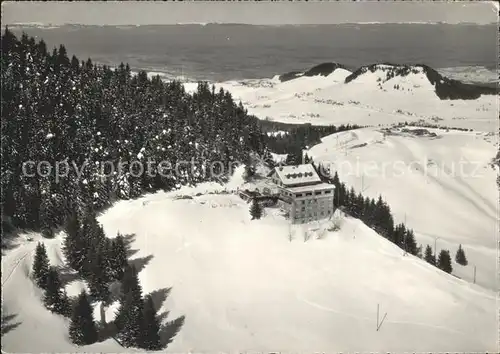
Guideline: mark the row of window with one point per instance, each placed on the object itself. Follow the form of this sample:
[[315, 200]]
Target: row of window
[[324, 201], [320, 207], [313, 215], [308, 194]]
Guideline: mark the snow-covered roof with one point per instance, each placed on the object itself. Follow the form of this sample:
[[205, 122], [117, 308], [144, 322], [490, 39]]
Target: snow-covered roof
[[311, 188], [297, 174]]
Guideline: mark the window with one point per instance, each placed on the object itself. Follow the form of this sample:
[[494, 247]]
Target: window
[[308, 194], [299, 195], [303, 202], [328, 192], [303, 209], [317, 193]]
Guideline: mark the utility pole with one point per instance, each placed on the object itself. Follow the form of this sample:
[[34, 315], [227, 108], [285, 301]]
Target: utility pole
[[379, 324], [474, 274]]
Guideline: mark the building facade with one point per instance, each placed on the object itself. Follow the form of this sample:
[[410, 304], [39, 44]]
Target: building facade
[[302, 194]]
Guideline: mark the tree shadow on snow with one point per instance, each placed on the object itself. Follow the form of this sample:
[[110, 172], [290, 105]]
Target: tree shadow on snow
[[169, 330], [140, 263], [128, 240], [8, 323], [159, 296]]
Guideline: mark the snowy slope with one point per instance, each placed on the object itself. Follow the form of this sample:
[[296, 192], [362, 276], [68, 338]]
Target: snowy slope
[[35, 328], [243, 286], [369, 99], [443, 186]]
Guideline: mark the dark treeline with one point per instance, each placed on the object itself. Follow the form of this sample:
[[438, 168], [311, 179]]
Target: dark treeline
[[56, 108], [377, 215], [302, 136]]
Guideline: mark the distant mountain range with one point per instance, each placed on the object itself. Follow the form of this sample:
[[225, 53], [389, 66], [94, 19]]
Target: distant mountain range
[[50, 25], [445, 88]]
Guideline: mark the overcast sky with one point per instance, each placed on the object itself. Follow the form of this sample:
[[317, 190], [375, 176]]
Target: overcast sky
[[140, 13]]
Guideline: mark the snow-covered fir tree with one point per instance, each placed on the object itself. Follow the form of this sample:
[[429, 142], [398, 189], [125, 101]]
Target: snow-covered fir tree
[[118, 257], [82, 329], [429, 257], [150, 327], [55, 299], [444, 261], [129, 317], [460, 257], [41, 265]]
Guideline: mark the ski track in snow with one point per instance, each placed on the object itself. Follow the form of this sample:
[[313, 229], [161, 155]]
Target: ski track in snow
[[447, 186], [16, 265], [370, 319]]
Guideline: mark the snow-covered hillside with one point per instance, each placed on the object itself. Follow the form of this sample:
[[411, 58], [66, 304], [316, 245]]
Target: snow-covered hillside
[[242, 285], [369, 98], [442, 183]]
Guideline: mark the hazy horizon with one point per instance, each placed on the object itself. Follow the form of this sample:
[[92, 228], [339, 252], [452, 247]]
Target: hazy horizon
[[252, 13]]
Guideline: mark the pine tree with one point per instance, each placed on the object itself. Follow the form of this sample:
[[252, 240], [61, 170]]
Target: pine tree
[[131, 333], [53, 296], [129, 317], [150, 337], [82, 330], [419, 252], [410, 243], [429, 256], [460, 257], [41, 266], [255, 210], [74, 243], [64, 307], [118, 257], [444, 261], [98, 277]]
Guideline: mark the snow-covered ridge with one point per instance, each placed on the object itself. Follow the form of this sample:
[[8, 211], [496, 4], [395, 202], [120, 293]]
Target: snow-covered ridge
[[421, 74], [324, 69], [404, 77], [381, 94]]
